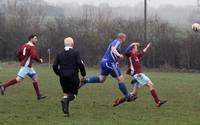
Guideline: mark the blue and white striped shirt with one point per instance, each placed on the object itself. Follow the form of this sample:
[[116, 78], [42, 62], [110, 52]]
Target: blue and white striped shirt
[[109, 56]]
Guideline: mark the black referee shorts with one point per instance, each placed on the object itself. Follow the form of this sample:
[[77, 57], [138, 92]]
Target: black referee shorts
[[70, 84]]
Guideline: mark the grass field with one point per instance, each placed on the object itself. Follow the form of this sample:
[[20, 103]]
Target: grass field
[[94, 103]]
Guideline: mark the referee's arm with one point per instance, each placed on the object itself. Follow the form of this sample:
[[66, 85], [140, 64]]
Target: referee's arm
[[81, 65], [55, 65]]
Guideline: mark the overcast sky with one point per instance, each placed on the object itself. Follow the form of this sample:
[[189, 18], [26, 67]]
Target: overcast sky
[[115, 3]]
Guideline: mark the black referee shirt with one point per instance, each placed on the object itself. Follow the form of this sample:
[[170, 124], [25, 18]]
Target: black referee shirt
[[68, 63]]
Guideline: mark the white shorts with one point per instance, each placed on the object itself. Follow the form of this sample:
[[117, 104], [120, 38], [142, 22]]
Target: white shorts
[[141, 79], [26, 71]]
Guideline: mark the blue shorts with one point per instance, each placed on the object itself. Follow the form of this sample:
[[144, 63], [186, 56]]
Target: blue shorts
[[110, 68], [26, 71], [141, 79]]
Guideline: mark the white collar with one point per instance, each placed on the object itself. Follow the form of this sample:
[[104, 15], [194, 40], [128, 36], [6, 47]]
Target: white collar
[[30, 43], [67, 48]]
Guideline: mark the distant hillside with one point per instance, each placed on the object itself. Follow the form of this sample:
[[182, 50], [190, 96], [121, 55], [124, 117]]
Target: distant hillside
[[182, 15], [177, 15]]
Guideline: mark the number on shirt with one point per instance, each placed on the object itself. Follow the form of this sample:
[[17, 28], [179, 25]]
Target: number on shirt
[[24, 51]]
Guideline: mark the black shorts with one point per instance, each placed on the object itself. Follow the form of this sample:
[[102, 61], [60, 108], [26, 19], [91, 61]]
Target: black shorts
[[70, 84]]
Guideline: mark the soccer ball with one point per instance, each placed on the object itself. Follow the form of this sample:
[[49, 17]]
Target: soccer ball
[[196, 27]]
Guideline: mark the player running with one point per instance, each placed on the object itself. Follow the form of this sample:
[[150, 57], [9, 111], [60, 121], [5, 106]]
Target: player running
[[109, 65], [26, 54], [139, 79]]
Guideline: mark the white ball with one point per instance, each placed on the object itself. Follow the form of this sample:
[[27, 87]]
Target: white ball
[[196, 27]]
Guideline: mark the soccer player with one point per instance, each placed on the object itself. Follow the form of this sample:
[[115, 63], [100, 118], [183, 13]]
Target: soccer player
[[109, 65], [67, 65], [139, 78], [26, 54]]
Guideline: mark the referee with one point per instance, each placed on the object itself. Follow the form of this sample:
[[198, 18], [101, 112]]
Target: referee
[[67, 65]]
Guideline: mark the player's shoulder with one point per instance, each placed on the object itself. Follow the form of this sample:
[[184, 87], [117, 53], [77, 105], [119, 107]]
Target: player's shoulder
[[115, 41], [128, 54], [23, 46], [28, 45]]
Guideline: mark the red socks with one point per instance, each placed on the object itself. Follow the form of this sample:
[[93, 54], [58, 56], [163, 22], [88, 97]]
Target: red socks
[[36, 87], [9, 83], [156, 98], [14, 81]]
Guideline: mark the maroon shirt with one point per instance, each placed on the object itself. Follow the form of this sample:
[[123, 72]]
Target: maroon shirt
[[134, 65], [26, 54]]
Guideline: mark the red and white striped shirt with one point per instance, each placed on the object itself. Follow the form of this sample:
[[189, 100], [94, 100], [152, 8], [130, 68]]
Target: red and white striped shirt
[[134, 66], [26, 54]]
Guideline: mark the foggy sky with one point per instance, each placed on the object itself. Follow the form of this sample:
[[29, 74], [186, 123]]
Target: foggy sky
[[154, 3]]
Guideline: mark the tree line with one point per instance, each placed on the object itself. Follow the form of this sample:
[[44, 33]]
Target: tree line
[[172, 46]]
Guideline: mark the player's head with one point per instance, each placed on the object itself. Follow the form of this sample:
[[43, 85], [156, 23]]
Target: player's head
[[69, 42], [134, 49], [33, 38], [121, 37]]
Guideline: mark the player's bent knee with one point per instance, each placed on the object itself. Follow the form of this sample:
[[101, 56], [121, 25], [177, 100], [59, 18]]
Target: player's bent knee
[[102, 79], [150, 85], [35, 79], [19, 79], [120, 79]]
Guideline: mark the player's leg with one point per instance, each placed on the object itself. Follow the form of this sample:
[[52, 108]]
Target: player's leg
[[153, 91], [35, 81], [154, 94], [115, 72], [9, 83], [12, 82], [96, 79], [70, 89], [140, 81], [20, 76], [133, 94], [92, 79], [102, 77], [122, 86], [143, 80], [136, 87]]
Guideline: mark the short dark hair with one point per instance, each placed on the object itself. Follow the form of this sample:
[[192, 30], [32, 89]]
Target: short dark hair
[[133, 46], [31, 36]]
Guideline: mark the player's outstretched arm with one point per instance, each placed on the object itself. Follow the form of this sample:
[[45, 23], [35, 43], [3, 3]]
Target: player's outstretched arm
[[146, 48], [141, 53]]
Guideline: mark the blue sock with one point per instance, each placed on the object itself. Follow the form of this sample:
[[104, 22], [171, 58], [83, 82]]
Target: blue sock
[[123, 89], [93, 79]]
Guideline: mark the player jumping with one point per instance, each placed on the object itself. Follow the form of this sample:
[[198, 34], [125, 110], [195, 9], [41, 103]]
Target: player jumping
[[109, 65], [140, 79], [26, 54]]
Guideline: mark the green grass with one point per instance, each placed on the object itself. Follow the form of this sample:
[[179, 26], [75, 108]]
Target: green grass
[[94, 103]]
